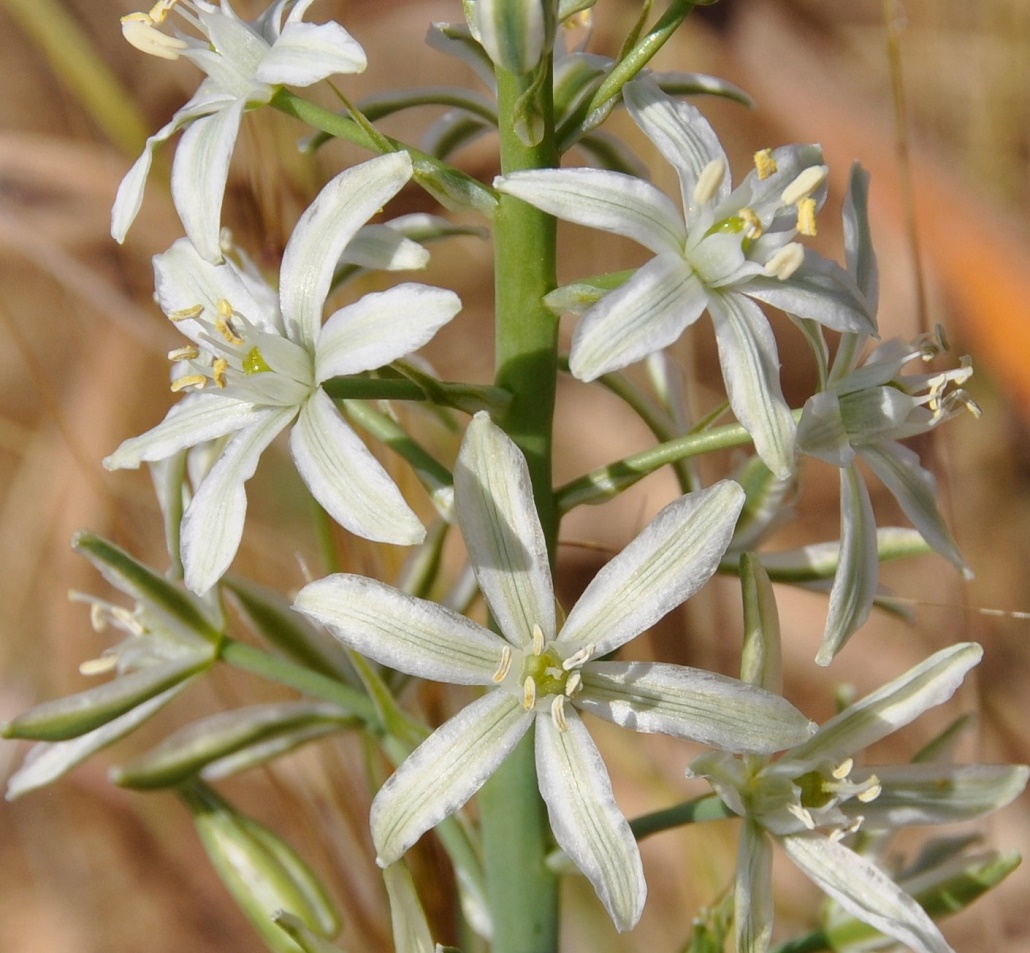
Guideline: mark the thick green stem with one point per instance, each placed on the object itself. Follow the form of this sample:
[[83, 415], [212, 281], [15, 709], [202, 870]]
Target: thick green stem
[[521, 891]]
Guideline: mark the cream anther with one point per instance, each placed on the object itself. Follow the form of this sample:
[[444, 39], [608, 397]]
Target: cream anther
[[573, 684], [188, 353], [538, 640], [577, 659], [753, 224], [803, 815], [97, 619], [193, 312], [198, 381], [765, 164], [806, 216], [218, 368], [872, 792], [843, 769], [529, 693], [502, 669], [786, 261], [709, 180], [140, 30], [805, 184], [99, 666], [223, 323], [558, 713]]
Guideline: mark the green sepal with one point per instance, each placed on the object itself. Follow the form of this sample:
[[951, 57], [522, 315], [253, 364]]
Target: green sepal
[[576, 297], [74, 715], [528, 116], [273, 619], [262, 873], [187, 752], [761, 658], [134, 579]]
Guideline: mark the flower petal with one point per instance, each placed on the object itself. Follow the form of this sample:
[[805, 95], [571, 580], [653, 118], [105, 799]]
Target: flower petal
[[306, 53], [512, 32], [193, 420], [346, 479], [445, 771], [382, 327], [213, 523], [407, 634], [891, 707], [753, 895], [854, 583], [585, 819], [671, 559], [915, 490], [199, 172], [647, 313], [858, 243], [691, 703], [611, 201], [324, 230], [865, 891], [751, 370], [386, 248]]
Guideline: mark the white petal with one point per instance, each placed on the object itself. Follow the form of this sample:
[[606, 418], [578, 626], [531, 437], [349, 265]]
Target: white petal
[[915, 490], [199, 172], [512, 32], [647, 313], [502, 532], [346, 479], [671, 559], [891, 707], [858, 243], [324, 230], [384, 247], [585, 819], [382, 327], [854, 583], [213, 524], [681, 134], [865, 891], [445, 771], [193, 420], [753, 896], [691, 703], [407, 918], [611, 201], [751, 369], [407, 634], [306, 53]]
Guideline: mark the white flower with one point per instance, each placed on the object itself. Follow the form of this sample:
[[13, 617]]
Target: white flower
[[812, 796], [257, 364], [862, 413], [727, 248], [538, 675], [245, 64]]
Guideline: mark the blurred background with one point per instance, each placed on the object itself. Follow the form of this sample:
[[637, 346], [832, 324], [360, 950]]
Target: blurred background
[[932, 95]]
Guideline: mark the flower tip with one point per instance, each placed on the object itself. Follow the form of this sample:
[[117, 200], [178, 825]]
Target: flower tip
[[140, 31]]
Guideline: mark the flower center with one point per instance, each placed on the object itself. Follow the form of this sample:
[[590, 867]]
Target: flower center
[[544, 673]]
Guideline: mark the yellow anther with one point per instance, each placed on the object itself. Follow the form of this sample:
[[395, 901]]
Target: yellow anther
[[218, 368], [786, 261], [160, 10], [806, 216], [709, 180], [194, 312], [765, 164], [529, 693], [753, 224], [805, 184], [558, 713], [502, 669], [99, 666], [223, 323], [971, 405], [188, 353], [140, 30], [198, 381], [538, 640]]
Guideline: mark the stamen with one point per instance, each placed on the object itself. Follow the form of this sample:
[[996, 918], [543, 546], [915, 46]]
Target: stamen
[[574, 661], [765, 164], [558, 712], [160, 10], [708, 181], [843, 769], [786, 261], [872, 792], [140, 31], [573, 684], [752, 222], [805, 184], [529, 693], [99, 666], [806, 217], [193, 312], [218, 368], [802, 814], [188, 353], [223, 323], [538, 640], [502, 669], [198, 381], [97, 618]]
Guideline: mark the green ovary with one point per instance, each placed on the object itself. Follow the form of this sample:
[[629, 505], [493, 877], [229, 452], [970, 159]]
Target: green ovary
[[254, 363], [547, 673]]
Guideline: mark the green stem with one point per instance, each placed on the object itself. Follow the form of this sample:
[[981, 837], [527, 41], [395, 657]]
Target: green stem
[[707, 808], [466, 397], [809, 943], [522, 892]]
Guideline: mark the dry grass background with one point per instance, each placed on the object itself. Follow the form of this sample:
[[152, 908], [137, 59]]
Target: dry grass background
[[86, 867]]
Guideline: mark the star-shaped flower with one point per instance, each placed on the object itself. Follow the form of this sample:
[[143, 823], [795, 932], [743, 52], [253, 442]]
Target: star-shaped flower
[[812, 796], [861, 414], [257, 362], [245, 64], [539, 675], [726, 249]]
